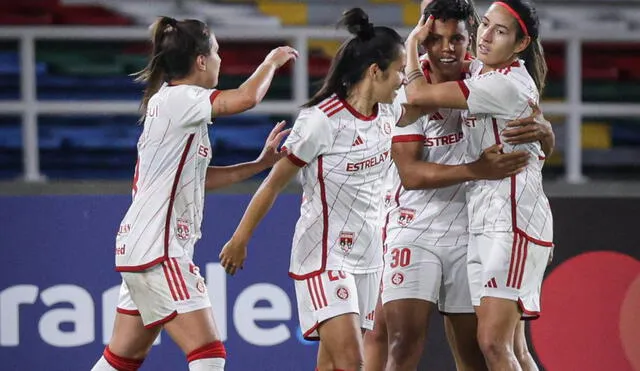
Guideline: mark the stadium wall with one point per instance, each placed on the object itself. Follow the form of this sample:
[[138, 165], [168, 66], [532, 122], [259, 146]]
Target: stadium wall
[[58, 288]]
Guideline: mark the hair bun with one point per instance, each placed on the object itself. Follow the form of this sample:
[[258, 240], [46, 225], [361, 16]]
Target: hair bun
[[357, 23]]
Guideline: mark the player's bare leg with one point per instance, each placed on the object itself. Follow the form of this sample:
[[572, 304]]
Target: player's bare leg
[[341, 343], [376, 342], [521, 349], [407, 325], [497, 322], [196, 334], [461, 332], [129, 345]]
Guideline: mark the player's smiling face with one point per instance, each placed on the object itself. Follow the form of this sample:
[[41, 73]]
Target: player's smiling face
[[447, 45], [391, 79]]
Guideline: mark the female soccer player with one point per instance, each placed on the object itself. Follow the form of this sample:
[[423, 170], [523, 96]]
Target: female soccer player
[[161, 287], [510, 220], [340, 144]]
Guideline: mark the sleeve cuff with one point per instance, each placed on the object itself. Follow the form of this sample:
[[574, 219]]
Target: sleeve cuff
[[295, 159], [464, 89], [214, 95], [408, 138]]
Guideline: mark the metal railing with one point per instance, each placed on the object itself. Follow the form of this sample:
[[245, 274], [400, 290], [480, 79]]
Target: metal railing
[[29, 107]]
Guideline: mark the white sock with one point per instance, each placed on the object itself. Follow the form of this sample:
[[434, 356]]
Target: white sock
[[103, 365], [206, 364]]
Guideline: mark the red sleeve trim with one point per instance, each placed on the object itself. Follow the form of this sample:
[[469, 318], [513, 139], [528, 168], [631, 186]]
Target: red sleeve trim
[[214, 95], [464, 89], [408, 138], [296, 160]]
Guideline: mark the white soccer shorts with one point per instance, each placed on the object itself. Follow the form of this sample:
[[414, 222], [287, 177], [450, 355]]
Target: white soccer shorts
[[508, 266], [434, 274], [161, 292], [334, 293]]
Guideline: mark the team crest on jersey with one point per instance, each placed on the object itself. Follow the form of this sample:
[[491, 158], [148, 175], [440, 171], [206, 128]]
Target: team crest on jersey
[[387, 199], [386, 127], [397, 279], [183, 229], [342, 293], [346, 241], [406, 216]]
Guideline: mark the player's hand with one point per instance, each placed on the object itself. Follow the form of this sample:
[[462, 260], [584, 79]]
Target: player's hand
[[279, 56], [494, 165], [272, 152], [531, 129], [232, 256], [422, 30]]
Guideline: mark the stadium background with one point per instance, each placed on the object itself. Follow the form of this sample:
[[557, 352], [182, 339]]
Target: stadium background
[[67, 149]]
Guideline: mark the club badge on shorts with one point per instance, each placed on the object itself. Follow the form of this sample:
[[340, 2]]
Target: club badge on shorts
[[342, 293]]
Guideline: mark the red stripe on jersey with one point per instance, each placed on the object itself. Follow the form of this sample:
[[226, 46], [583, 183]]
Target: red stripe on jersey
[[169, 281], [331, 106], [338, 109], [172, 197], [535, 240], [359, 115], [408, 138], [327, 102], [325, 226], [296, 160], [182, 282], [142, 267], [464, 89], [162, 321], [214, 95]]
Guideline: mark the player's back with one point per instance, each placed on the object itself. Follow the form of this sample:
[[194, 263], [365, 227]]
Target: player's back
[[342, 183], [516, 203], [168, 189]]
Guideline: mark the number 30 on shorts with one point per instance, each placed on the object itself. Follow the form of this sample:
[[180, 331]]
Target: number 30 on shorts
[[400, 257]]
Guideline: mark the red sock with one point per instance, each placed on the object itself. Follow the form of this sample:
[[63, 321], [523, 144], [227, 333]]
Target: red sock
[[121, 363], [211, 350]]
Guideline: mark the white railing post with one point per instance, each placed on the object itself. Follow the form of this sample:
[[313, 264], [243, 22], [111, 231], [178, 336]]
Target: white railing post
[[573, 83], [30, 151], [301, 72]]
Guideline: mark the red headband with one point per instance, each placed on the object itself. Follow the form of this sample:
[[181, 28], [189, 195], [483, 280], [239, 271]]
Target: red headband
[[515, 14]]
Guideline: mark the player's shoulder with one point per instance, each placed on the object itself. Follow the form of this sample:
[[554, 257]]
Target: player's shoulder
[[324, 111]]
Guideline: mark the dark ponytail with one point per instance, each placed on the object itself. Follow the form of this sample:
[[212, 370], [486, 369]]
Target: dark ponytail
[[175, 47], [369, 45], [533, 55]]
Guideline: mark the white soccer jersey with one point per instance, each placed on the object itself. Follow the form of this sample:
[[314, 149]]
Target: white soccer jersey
[[168, 190], [517, 203], [344, 157], [430, 217]]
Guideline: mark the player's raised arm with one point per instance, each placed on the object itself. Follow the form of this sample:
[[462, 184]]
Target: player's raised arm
[[252, 91], [223, 176]]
